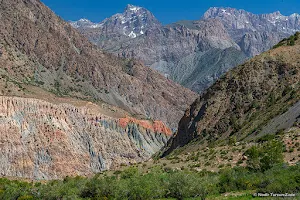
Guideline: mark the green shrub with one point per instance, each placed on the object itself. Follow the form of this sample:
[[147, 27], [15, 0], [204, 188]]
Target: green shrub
[[235, 179], [281, 179], [157, 184], [264, 156], [183, 185], [232, 140], [266, 138], [26, 197]]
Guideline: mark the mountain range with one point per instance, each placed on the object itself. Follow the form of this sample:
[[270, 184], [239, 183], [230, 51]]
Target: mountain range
[[192, 53], [260, 97], [68, 107]]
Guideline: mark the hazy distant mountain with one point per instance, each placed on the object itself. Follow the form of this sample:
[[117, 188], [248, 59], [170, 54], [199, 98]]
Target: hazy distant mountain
[[176, 50], [192, 53]]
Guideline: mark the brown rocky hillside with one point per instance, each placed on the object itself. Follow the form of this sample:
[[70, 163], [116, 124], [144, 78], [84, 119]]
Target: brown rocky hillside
[[244, 102], [67, 108], [39, 48]]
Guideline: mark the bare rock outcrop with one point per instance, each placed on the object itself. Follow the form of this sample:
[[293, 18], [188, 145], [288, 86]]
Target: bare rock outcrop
[[42, 140]]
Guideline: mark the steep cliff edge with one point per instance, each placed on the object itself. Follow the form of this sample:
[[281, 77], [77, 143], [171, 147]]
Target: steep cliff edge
[[245, 100], [42, 140]]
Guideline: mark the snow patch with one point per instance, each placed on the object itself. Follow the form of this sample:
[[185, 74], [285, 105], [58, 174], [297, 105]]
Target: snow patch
[[96, 25], [74, 25], [294, 15], [225, 12], [135, 9], [84, 20], [272, 22], [142, 32], [132, 34]]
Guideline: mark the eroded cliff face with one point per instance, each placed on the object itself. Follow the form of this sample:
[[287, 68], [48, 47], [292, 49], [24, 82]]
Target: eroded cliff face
[[42, 140]]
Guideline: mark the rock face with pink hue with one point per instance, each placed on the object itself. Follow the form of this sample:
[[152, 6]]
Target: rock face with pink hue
[[40, 140]]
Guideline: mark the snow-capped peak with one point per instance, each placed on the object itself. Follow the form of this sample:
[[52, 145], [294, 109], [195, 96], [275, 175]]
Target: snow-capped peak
[[133, 22], [294, 15], [133, 8], [85, 23], [84, 20]]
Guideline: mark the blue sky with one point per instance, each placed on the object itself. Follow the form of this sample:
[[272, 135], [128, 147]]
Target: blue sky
[[166, 11]]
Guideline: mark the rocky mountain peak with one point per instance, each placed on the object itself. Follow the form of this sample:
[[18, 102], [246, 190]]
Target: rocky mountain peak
[[250, 30], [132, 8], [241, 19], [295, 15], [215, 12], [175, 49], [133, 22]]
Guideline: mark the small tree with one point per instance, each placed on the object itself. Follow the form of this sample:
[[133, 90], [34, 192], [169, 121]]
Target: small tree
[[265, 156], [292, 41], [232, 140]]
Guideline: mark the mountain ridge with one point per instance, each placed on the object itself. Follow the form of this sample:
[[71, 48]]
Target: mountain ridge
[[250, 30], [165, 47]]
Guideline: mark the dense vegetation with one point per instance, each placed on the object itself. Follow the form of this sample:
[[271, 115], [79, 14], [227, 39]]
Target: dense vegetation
[[159, 183], [265, 173]]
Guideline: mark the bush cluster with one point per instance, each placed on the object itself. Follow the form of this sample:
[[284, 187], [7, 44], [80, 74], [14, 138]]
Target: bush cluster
[[158, 184], [265, 173], [288, 41], [265, 155]]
